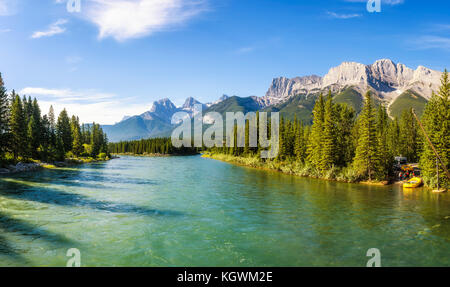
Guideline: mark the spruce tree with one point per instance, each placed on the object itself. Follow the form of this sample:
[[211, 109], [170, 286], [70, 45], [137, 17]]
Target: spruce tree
[[366, 161], [34, 130], [77, 144], [18, 128], [409, 136], [384, 154], [328, 152], [345, 148], [4, 118], [436, 122], [64, 131], [316, 136]]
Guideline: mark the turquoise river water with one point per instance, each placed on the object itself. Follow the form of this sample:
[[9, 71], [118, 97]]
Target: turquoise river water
[[191, 211]]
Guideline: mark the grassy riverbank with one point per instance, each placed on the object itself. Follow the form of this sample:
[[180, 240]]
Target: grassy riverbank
[[293, 168]]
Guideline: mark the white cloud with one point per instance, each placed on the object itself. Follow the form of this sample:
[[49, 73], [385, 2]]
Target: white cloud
[[90, 106], [122, 19], [343, 16], [54, 29]]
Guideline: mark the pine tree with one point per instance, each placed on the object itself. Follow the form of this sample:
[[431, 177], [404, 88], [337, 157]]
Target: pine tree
[[384, 154], [328, 150], [393, 138], [18, 128], [300, 143], [34, 130], [366, 161], [409, 136], [316, 136], [4, 118], [77, 144], [436, 121], [64, 131], [345, 148], [52, 125]]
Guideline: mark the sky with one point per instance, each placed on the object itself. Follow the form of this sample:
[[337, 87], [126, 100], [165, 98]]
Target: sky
[[112, 58]]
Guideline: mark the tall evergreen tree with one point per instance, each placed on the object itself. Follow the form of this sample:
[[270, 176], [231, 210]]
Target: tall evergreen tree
[[18, 128], [4, 118], [366, 160], [384, 154], [64, 131], [436, 121], [316, 136], [34, 130], [77, 144], [410, 142], [329, 136]]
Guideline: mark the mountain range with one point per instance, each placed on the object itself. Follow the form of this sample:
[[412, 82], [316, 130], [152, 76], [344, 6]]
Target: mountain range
[[396, 85]]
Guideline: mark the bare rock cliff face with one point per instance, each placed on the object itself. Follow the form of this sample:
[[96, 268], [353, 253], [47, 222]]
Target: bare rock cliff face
[[385, 78]]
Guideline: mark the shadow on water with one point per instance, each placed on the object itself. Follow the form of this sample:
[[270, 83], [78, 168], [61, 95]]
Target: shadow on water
[[7, 250], [23, 190], [82, 178], [22, 228]]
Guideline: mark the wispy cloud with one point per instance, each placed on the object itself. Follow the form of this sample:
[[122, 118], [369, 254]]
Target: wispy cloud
[[54, 29], [245, 50], [5, 31], [86, 104], [431, 42], [124, 20], [343, 16]]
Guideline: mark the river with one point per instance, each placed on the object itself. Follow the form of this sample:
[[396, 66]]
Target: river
[[191, 211]]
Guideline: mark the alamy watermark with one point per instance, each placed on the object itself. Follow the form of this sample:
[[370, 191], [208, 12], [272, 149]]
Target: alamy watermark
[[75, 257], [374, 6], [375, 261], [235, 131], [73, 6]]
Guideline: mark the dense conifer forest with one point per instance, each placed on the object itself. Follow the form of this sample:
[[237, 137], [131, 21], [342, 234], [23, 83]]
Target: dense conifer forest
[[26, 134], [344, 146]]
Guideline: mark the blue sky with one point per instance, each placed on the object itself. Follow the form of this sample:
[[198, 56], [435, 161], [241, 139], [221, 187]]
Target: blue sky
[[116, 57]]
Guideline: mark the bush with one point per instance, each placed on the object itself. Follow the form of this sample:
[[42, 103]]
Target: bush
[[102, 156]]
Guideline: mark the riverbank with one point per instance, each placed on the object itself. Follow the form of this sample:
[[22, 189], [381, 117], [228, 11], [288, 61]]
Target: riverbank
[[35, 165], [341, 175], [153, 154]]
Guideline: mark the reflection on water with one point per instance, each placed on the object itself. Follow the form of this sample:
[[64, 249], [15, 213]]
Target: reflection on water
[[190, 211]]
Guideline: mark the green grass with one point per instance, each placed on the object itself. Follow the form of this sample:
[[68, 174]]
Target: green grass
[[288, 167], [407, 100]]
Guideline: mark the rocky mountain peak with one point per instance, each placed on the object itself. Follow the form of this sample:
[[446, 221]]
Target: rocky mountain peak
[[190, 102], [384, 77], [163, 105]]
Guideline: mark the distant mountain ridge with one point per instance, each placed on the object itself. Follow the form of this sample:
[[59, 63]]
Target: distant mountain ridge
[[384, 78], [395, 85]]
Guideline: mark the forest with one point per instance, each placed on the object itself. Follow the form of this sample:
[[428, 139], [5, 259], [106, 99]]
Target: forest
[[344, 146], [26, 134], [154, 146]]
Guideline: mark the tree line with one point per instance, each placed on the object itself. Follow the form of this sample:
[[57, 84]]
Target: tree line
[[161, 146], [361, 146], [26, 134]]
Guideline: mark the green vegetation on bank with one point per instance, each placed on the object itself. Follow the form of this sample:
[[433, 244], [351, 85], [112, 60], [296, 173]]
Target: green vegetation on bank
[[343, 146], [155, 146], [26, 135]]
